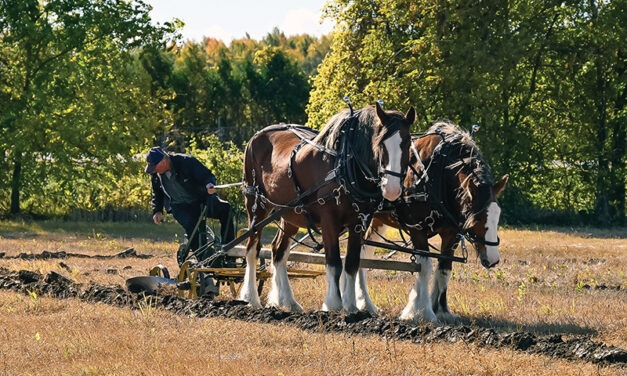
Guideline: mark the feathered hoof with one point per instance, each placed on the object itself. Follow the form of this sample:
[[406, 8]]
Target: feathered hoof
[[421, 315], [448, 317]]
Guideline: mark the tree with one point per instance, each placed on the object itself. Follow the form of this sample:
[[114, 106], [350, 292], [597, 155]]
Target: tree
[[69, 95], [502, 65], [595, 68]]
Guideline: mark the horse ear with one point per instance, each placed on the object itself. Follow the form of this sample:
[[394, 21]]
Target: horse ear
[[410, 116], [500, 186], [380, 112]]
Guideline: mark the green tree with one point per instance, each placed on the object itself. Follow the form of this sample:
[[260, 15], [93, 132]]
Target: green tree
[[595, 74], [502, 65], [70, 96]]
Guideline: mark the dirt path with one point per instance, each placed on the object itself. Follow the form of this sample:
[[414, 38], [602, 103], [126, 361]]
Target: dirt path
[[580, 348]]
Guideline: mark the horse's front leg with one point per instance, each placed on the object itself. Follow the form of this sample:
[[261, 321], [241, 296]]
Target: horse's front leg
[[367, 251], [418, 305], [330, 235], [351, 266], [441, 279], [281, 294]]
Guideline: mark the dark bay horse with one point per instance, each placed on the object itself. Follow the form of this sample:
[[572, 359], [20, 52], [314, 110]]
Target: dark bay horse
[[449, 192], [280, 169]]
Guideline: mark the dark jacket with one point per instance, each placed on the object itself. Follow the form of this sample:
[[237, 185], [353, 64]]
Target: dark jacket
[[190, 173]]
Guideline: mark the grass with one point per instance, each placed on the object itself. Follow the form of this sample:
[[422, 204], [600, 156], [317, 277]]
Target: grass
[[549, 281], [70, 337]]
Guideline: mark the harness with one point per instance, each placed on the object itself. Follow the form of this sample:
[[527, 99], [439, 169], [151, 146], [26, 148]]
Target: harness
[[428, 188], [351, 174]]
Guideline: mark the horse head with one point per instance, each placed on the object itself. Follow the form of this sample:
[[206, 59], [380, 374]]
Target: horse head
[[482, 216], [391, 148], [470, 194]]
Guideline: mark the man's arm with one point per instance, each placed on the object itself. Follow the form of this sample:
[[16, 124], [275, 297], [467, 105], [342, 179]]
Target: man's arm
[[202, 174]]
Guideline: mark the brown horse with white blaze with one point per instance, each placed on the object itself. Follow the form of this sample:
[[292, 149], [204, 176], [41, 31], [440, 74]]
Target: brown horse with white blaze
[[302, 178], [449, 192]]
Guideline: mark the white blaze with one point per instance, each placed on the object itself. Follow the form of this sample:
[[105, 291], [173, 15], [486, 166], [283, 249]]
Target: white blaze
[[492, 224], [391, 185]]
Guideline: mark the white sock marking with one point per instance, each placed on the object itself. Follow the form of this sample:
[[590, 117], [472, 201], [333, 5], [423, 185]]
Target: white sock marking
[[249, 287], [332, 302], [418, 305]]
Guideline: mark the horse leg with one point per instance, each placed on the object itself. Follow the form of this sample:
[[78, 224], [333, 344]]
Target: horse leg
[[441, 279], [249, 292], [330, 234], [351, 266], [281, 294], [367, 251], [418, 305]]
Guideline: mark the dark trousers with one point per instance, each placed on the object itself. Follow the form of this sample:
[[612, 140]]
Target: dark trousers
[[187, 216]]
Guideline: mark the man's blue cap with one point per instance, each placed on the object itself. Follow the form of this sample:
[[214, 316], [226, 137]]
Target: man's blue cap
[[154, 156]]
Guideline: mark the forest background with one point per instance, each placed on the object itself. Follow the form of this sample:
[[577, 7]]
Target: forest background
[[87, 86]]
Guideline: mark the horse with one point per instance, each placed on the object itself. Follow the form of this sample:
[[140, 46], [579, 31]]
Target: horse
[[449, 192], [324, 181]]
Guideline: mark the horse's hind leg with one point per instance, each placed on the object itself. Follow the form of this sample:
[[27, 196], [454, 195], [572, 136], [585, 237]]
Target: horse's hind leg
[[281, 294], [249, 292], [418, 305]]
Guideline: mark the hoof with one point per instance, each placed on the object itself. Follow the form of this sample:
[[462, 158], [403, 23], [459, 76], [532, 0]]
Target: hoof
[[448, 317], [371, 308], [328, 308], [350, 309], [292, 307], [295, 307], [426, 316]]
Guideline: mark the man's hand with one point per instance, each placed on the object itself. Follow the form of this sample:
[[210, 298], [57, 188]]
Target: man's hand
[[157, 217], [210, 189]]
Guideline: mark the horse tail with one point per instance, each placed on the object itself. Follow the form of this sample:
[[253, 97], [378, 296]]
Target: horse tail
[[249, 164]]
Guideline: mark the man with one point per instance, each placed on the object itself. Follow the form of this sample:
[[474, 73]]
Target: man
[[183, 183]]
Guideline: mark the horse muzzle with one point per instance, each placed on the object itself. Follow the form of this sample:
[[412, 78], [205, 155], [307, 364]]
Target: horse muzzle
[[392, 192], [490, 257], [486, 264]]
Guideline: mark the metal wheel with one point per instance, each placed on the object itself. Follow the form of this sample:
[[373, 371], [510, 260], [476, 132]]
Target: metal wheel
[[160, 271]]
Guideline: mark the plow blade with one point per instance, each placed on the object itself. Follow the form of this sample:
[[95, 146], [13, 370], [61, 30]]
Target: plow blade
[[147, 284]]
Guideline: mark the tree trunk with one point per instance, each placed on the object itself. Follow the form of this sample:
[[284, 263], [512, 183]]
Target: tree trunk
[[15, 185], [617, 158]]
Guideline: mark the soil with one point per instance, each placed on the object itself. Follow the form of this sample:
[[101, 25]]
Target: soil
[[45, 255], [579, 348]]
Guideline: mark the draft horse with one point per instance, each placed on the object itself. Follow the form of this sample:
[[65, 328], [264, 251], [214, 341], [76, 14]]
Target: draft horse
[[449, 191], [323, 181]]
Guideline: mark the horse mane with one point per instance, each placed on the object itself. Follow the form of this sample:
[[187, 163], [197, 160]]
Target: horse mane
[[464, 156], [363, 144]]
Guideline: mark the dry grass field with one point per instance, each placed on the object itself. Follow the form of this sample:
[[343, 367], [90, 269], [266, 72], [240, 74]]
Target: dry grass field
[[559, 281]]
